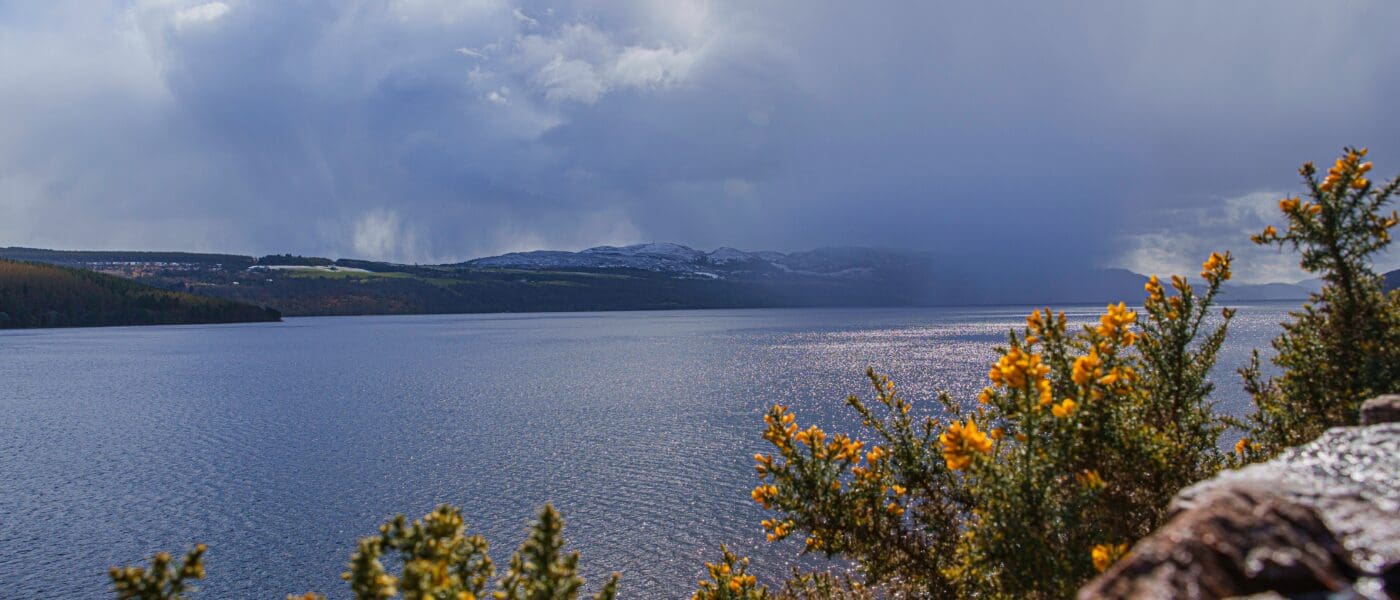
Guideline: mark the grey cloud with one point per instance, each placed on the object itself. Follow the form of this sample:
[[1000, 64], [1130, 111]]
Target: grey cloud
[[1108, 133]]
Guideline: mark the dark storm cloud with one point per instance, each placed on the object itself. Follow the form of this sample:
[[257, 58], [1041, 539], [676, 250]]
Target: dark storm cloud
[[998, 133]]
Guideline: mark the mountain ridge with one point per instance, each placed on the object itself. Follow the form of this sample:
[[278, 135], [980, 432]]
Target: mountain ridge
[[652, 276]]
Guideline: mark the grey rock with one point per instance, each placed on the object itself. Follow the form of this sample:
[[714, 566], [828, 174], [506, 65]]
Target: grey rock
[[1381, 409], [1321, 520]]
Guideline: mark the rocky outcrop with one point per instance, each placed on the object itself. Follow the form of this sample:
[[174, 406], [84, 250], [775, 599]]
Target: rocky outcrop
[[1320, 521], [1381, 409]]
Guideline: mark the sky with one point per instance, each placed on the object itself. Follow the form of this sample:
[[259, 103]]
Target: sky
[[1114, 133]]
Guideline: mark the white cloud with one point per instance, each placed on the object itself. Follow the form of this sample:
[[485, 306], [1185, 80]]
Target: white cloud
[[200, 14], [570, 79], [525, 19], [651, 67], [380, 235], [1185, 237], [582, 63]]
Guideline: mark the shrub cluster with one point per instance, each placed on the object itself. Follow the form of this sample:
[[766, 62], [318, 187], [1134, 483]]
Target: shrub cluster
[[1069, 454], [438, 560], [1344, 345]]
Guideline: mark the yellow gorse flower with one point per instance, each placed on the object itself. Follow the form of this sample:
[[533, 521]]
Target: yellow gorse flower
[[1115, 322], [1016, 368], [1153, 287], [1217, 266], [1035, 322], [778, 530], [781, 426], [1104, 555], [763, 463], [875, 454], [764, 495], [962, 442], [812, 436], [1064, 408], [1090, 479], [1347, 166], [1087, 367], [844, 448], [1242, 445]]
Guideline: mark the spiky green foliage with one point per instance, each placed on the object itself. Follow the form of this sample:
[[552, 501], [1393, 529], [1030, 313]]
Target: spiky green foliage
[[1344, 345], [540, 570], [163, 580], [439, 562], [1070, 454], [730, 580]]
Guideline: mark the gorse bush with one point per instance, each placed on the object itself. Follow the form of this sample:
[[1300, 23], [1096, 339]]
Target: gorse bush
[[1075, 449], [439, 562], [1070, 453], [164, 580], [1344, 345]]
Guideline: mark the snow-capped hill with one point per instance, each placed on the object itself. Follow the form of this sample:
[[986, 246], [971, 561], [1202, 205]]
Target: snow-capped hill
[[684, 261], [726, 255], [653, 251], [537, 259], [668, 258]]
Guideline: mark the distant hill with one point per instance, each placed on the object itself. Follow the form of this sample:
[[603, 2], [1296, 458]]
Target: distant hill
[[89, 258], [653, 276], [1392, 280], [41, 295]]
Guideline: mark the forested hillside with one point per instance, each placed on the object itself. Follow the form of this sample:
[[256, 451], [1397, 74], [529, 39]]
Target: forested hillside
[[38, 295]]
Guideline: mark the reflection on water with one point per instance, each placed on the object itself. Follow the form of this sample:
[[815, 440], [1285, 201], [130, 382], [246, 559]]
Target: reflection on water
[[279, 444]]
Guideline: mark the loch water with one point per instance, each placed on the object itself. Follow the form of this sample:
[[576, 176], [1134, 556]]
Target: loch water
[[280, 444]]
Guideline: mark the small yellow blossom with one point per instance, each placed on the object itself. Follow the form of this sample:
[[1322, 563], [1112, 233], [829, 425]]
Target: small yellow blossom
[[1242, 445], [1105, 555], [1064, 409], [1115, 321], [1090, 479], [812, 436], [1046, 395], [764, 495], [1086, 367], [1017, 368], [875, 454], [961, 442], [1034, 322], [1217, 266]]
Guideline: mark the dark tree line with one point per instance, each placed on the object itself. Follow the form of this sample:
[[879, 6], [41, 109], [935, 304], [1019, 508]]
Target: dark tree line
[[39, 295]]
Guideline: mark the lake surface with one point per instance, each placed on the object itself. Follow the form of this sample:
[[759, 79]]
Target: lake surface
[[280, 444]]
